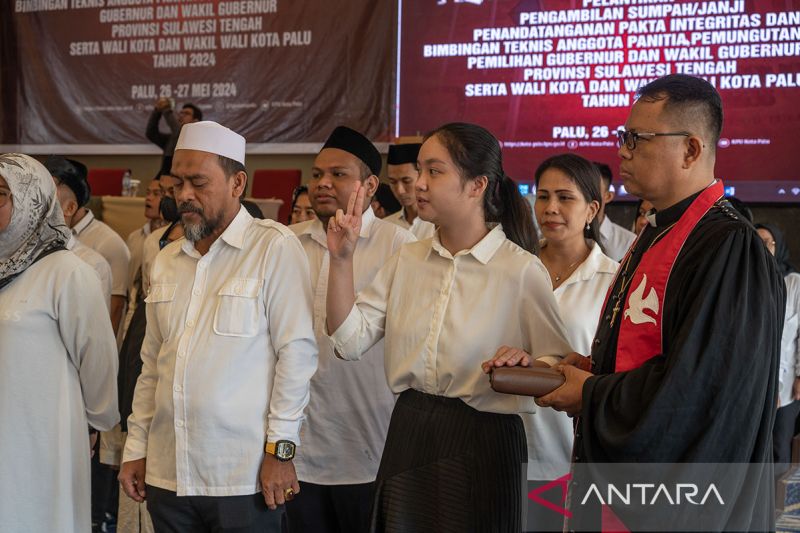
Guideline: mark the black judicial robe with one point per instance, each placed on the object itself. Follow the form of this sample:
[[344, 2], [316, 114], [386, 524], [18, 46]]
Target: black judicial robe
[[710, 397]]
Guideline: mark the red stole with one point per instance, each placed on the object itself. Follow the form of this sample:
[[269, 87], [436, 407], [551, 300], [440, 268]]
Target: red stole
[[640, 334]]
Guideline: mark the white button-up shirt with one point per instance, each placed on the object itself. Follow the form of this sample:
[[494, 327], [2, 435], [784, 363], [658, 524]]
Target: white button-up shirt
[[102, 239], [422, 229], [150, 249], [790, 347], [227, 359], [616, 240], [98, 264], [351, 403], [580, 301], [443, 316]]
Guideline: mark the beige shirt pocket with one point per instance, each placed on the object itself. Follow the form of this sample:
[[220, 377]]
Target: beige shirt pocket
[[161, 297], [237, 313]]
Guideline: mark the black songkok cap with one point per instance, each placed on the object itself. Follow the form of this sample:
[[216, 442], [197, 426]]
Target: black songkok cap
[[400, 154], [71, 173], [353, 142], [386, 198]]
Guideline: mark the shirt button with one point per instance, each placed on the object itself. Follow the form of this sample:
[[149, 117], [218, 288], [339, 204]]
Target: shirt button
[[190, 323], [179, 423], [201, 266], [181, 354], [196, 292], [597, 342], [178, 388]]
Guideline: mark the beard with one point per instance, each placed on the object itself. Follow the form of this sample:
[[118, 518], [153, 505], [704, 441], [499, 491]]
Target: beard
[[197, 231]]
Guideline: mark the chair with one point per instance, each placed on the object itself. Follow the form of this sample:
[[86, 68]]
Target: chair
[[277, 183], [106, 181]]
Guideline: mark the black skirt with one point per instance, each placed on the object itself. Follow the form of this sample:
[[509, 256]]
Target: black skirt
[[448, 467]]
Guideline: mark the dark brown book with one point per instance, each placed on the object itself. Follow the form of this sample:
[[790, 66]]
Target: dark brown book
[[525, 380]]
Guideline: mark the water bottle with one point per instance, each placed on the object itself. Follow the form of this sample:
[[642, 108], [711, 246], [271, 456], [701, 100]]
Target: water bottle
[[126, 183]]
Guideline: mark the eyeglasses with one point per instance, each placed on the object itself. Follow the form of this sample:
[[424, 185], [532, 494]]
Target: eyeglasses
[[5, 196], [630, 138]]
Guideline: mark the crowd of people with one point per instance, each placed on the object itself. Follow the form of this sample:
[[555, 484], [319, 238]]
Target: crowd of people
[[330, 375]]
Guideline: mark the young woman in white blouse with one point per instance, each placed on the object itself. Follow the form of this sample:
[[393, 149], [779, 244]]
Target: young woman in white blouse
[[455, 448], [567, 201]]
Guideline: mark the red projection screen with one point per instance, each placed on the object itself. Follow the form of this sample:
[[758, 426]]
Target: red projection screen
[[549, 76]]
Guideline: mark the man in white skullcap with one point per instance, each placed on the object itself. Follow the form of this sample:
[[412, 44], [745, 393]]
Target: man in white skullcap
[[227, 356]]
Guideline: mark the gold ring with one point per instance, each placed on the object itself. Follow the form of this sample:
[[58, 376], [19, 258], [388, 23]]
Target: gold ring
[[288, 494]]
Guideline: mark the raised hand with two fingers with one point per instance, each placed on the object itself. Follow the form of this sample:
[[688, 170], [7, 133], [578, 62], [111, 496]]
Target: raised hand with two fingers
[[344, 228]]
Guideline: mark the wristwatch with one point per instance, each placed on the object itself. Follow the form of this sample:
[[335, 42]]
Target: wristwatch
[[283, 450]]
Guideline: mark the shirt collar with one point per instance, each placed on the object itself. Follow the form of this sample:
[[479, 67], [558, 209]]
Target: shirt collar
[[400, 215], [233, 235], [146, 229], [673, 213], [71, 242], [85, 221], [318, 233], [605, 227], [483, 251], [596, 262]]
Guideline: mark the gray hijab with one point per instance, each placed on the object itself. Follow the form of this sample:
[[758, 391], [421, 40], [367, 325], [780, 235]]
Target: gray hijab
[[37, 224]]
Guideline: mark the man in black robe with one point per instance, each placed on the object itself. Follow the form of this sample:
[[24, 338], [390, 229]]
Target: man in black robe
[[707, 393]]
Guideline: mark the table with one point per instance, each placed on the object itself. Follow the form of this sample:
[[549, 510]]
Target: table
[[268, 206], [126, 213]]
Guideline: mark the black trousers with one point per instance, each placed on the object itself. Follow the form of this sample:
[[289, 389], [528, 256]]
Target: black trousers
[[212, 514], [782, 435], [104, 488], [330, 508]]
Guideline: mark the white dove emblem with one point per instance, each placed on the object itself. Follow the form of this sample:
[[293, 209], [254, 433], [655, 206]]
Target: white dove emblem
[[637, 304]]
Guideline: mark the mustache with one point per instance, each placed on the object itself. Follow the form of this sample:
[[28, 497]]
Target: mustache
[[188, 207]]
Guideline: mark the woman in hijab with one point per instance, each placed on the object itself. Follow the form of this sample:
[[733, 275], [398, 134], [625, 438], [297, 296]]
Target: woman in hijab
[[789, 370], [58, 358]]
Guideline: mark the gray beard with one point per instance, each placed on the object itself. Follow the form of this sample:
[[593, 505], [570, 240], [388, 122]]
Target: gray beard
[[196, 232], [201, 230]]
